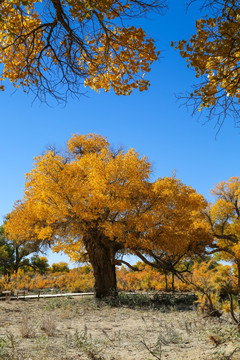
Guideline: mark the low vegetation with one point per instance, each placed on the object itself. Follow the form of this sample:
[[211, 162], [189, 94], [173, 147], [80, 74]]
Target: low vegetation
[[92, 329]]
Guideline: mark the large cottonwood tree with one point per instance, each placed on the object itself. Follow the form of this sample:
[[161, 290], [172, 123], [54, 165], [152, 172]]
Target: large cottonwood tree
[[94, 203], [56, 46]]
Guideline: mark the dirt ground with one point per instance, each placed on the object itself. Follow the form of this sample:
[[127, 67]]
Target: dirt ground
[[79, 328]]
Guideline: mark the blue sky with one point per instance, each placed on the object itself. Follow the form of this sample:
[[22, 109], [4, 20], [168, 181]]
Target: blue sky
[[151, 122]]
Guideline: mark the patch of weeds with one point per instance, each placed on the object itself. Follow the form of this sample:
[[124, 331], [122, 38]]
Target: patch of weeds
[[134, 300], [168, 335], [116, 337], [173, 335], [8, 348], [225, 340], [155, 350], [27, 329], [89, 302], [58, 303], [189, 327], [226, 333], [48, 325], [4, 343], [152, 301], [89, 347], [174, 301], [220, 354], [42, 342]]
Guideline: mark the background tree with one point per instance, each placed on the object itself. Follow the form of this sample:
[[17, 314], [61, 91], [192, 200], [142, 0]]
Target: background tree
[[54, 46], [224, 218], [13, 254], [207, 281], [214, 53], [60, 267], [39, 264], [6, 254], [95, 203]]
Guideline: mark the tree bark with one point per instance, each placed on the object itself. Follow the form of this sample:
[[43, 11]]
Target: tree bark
[[102, 258], [17, 259], [166, 283], [238, 276], [173, 283], [238, 288]]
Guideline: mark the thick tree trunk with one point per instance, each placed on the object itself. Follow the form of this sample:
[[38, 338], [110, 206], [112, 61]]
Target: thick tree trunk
[[102, 258]]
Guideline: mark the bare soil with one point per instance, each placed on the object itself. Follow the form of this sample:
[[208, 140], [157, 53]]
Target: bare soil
[[80, 328]]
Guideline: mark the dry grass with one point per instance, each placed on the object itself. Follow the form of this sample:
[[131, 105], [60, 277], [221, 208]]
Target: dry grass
[[81, 328], [27, 328], [48, 325]]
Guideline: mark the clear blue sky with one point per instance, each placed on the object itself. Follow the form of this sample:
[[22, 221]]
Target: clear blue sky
[[151, 122]]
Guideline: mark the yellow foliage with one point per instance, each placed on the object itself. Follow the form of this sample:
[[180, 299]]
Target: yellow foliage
[[65, 201], [209, 279], [224, 217], [214, 54], [92, 203], [82, 41]]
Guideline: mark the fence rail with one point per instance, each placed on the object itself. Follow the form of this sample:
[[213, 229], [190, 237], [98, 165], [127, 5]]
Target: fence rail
[[39, 295]]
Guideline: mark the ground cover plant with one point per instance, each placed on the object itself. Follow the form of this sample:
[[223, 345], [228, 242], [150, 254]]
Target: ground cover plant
[[198, 322], [89, 329]]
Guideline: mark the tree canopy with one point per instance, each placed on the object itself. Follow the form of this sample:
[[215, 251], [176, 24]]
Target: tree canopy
[[185, 233], [214, 53], [14, 253], [40, 264], [224, 218], [94, 203], [55, 46]]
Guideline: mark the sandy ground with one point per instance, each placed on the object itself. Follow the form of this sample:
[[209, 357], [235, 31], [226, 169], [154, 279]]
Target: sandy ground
[[81, 329]]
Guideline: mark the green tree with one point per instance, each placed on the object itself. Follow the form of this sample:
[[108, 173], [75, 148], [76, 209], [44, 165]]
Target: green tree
[[39, 264], [60, 267], [13, 254], [6, 254]]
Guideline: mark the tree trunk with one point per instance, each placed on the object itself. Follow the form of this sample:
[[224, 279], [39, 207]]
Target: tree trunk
[[166, 282], [17, 259], [173, 283], [238, 277], [238, 287], [102, 258]]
